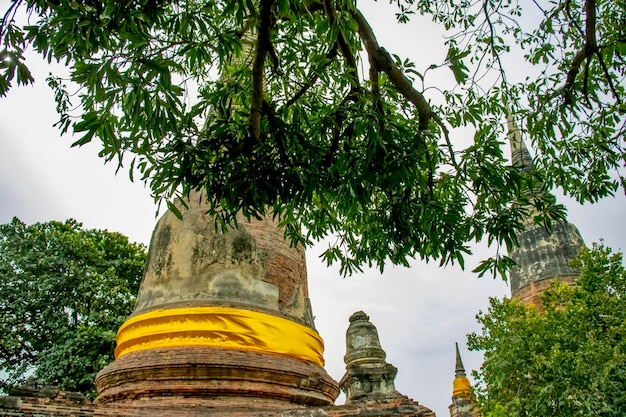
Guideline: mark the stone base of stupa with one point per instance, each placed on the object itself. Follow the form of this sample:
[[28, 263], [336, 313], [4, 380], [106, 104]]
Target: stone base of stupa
[[202, 380]]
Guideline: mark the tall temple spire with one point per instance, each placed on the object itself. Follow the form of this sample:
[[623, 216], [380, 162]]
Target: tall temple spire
[[520, 157], [543, 255]]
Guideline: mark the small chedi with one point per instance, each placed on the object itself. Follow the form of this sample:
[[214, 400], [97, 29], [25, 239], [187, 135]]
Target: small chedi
[[369, 380], [368, 376], [463, 402]]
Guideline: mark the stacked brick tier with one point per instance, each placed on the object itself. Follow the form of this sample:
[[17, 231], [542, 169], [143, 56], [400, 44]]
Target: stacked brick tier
[[208, 378]]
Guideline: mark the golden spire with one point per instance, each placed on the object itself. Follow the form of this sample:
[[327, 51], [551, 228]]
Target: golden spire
[[461, 385]]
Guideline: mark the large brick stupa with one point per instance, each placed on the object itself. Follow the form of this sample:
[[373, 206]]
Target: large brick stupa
[[222, 326]]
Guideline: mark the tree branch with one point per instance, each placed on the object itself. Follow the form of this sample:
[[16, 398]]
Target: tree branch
[[585, 83], [590, 24], [383, 62], [344, 47], [375, 88], [608, 76], [589, 49], [574, 69], [275, 125], [263, 45]]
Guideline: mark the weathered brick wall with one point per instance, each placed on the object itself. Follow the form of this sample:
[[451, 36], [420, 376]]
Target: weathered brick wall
[[285, 266], [530, 294], [49, 402], [45, 402]]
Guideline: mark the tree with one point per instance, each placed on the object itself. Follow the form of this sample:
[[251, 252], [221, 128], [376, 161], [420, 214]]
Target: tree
[[569, 360], [265, 106], [64, 292]]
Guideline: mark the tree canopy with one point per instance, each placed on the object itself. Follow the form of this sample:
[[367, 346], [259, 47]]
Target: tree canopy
[[294, 108], [64, 292], [568, 361]]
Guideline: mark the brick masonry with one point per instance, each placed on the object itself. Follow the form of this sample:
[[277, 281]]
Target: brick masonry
[[62, 405], [531, 293], [45, 402]]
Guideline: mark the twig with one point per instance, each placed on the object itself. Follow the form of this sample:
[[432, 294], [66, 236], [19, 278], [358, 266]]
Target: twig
[[493, 36], [571, 19], [608, 76], [9, 17], [344, 47], [446, 135], [313, 77]]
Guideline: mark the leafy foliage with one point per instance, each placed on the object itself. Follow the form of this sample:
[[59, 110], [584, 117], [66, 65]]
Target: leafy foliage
[[64, 291], [264, 104], [569, 360]]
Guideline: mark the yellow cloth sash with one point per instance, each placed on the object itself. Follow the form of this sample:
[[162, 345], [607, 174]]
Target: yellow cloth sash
[[221, 327], [461, 386]]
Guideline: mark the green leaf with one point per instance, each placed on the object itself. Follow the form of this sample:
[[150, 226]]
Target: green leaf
[[85, 139], [172, 207], [23, 74], [459, 70], [283, 7], [352, 24]]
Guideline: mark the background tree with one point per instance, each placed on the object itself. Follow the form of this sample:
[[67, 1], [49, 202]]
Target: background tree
[[295, 108], [64, 292], [568, 361]]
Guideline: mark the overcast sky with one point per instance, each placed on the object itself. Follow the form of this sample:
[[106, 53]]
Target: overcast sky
[[419, 311]]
